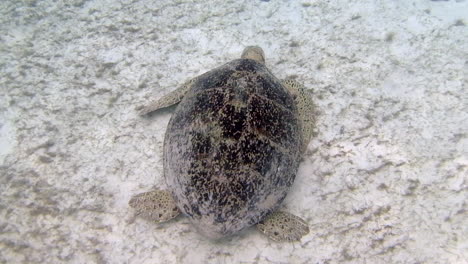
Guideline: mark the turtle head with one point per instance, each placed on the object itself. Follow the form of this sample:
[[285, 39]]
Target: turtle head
[[254, 53]]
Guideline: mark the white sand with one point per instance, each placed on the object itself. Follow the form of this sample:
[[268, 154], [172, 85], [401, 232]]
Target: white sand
[[384, 181]]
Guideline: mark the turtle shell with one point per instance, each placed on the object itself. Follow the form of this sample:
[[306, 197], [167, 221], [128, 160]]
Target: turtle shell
[[231, 148]]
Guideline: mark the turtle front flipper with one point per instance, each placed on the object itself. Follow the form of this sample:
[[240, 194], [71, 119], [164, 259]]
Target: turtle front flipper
[[172, 98], [283, 227], [305, 107], [157, 205]]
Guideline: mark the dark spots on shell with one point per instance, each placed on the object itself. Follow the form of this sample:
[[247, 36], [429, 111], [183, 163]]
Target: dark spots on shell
[[272, 89], [258, 153], [223, 183], [180, 117], [226, 158], [199, 178], [202, 108], [213, 79], [228, 205], [231, 146], [244, 190], [275, 123], [210, 102], [233, 121], [201, 145], [219, 218], [195, 209], [223, 201], [206, 197], [187, 210]]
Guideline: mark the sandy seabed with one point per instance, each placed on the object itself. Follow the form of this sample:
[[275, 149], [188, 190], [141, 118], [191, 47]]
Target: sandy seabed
[[384, 180]]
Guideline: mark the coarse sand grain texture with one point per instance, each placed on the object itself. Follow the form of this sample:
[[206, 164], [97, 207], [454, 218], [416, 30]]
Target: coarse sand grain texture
[[384, 180]]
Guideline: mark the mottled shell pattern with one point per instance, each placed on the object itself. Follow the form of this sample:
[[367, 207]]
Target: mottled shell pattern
[[232, 148]]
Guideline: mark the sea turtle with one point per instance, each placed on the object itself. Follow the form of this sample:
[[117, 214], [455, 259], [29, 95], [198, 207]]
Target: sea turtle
[[231, 151]]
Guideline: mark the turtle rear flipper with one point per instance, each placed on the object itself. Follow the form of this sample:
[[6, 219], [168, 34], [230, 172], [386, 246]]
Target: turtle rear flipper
[[172, 98], [283, 227], [157, 205]]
